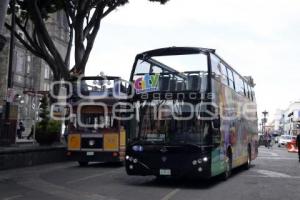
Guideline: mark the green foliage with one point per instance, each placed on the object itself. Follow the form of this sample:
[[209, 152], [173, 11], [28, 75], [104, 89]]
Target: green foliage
[[47, 130], [83, 18], [46, 135], [51, 6], [44, 112], [53, 126]]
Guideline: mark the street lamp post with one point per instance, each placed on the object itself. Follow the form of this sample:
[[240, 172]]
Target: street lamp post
[[264, 120]]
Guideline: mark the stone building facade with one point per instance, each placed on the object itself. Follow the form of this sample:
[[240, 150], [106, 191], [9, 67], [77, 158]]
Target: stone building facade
[[3, 7], [30, 73]]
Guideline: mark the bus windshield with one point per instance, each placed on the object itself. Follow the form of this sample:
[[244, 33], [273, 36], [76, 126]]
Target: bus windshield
[[171, 122], [93, 122], [171, 73]]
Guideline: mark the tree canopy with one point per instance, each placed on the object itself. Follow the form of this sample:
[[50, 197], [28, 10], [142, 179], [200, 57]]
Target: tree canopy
[[84, 18]]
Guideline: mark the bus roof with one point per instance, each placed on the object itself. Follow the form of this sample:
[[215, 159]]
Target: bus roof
[[173, 51], [169, 51]]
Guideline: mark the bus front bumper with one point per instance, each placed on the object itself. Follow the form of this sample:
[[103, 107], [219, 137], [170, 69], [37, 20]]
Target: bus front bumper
[[85, 156], [194, 172]]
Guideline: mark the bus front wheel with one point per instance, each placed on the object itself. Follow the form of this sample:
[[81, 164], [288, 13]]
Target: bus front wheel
[[228, 166], [83, 163]]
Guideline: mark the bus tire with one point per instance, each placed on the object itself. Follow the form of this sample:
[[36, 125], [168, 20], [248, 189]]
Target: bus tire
[[248, 163], [83, 163], [228, 165]]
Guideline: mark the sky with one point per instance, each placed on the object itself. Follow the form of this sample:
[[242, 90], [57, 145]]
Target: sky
[[258, 38]]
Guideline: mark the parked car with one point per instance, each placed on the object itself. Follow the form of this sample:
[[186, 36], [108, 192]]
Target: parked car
[[284, 139]]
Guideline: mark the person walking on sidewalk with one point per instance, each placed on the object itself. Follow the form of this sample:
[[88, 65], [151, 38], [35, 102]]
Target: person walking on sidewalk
[[20, 130], [298, 145]]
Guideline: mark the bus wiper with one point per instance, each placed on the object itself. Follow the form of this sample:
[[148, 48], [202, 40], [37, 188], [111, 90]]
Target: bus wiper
[[184, 144], [193, 145]]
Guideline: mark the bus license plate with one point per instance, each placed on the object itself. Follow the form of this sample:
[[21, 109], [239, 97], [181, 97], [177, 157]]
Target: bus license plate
[[90, 153], [165, 172]]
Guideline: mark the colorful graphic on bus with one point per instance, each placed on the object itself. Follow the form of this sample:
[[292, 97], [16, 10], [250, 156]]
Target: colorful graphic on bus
[[147, 83]]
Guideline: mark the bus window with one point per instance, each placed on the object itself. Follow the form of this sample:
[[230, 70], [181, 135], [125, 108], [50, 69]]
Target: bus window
[[215, 67], [224, 77], [219, 70], [239, 85], [230, 78], [252, 94], [249, 91], [246, 90], [156, 70], [144, 67]]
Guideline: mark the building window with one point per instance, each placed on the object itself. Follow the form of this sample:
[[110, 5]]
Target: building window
[[46, 75], [19, 79], [20, 63], [46, 87], [28, 64]]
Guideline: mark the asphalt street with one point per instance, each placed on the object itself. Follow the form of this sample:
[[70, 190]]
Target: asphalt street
[[275, 174]]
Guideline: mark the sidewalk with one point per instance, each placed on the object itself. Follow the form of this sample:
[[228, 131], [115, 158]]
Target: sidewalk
[[27, 153]]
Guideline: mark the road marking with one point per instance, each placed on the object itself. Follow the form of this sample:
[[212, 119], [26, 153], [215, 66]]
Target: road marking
[[170, 194], [91, 177], [272, 174], [264, 176], [274, 158], [13, 197], [37, 184], [270, 153]]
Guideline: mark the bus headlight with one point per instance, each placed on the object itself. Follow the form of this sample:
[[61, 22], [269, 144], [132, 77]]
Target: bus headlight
[[205, 159], [137, 148], [92, 142], [199, 160], [127, 157], [194, 162], [135, 160]]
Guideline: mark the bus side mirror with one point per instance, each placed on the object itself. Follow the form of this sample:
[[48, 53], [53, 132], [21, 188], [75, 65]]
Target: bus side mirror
[[216, 123]]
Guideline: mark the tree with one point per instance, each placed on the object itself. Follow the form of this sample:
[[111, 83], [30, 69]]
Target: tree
[[44, 112], [84, 18]]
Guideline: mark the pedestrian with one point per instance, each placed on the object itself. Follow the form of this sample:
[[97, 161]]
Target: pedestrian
[[269, 140], [20, 130], [298, 145]]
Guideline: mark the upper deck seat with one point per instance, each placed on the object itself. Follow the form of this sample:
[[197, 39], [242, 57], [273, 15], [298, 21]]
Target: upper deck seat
[[180, 86], [173, 82], [194, 82], [164, 83]]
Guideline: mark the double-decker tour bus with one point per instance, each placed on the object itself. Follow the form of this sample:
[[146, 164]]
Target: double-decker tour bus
[[194, 115], [95, 134]]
